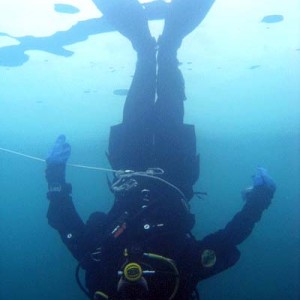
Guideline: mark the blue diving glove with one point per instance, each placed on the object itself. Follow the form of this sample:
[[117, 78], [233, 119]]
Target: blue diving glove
[[261, 179], [56, 162], [60, 152]]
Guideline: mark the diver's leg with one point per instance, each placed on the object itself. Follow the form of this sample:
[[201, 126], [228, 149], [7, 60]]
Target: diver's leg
[[130, 146], [128, 17], [169, 107], [139, 104], [181, 165], [183, 17]]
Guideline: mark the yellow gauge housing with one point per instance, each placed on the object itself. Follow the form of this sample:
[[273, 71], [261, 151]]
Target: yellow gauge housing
[[133, 272]]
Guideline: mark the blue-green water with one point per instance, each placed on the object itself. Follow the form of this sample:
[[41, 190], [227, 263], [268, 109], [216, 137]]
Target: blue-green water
[[242, 83]]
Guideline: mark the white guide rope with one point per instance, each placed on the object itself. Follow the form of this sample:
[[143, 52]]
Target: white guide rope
[[43, 160]]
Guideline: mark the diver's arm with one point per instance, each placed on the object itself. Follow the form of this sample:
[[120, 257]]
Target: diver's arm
[[242, 224], [258, 198], [62, 214], [218, 251], [63, 217]]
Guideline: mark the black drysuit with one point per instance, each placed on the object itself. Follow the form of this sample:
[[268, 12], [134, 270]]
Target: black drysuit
[[153, 135]]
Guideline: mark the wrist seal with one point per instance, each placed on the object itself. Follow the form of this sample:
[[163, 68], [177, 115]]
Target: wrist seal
[[58, 190]]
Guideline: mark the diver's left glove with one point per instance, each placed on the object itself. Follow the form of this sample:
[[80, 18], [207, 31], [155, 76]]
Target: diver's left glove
[[56, 164]]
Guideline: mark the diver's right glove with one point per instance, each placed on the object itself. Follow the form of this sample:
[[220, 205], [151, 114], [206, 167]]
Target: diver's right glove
[[262, 178], [262, 182], [56, 164]]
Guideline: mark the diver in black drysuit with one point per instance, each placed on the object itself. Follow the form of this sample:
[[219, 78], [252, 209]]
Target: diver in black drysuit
[[148, 227]]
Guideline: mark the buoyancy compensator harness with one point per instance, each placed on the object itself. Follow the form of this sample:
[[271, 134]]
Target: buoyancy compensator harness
[[147, 206]]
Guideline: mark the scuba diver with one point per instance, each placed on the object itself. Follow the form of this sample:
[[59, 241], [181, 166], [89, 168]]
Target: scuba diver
[[143, 247]]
